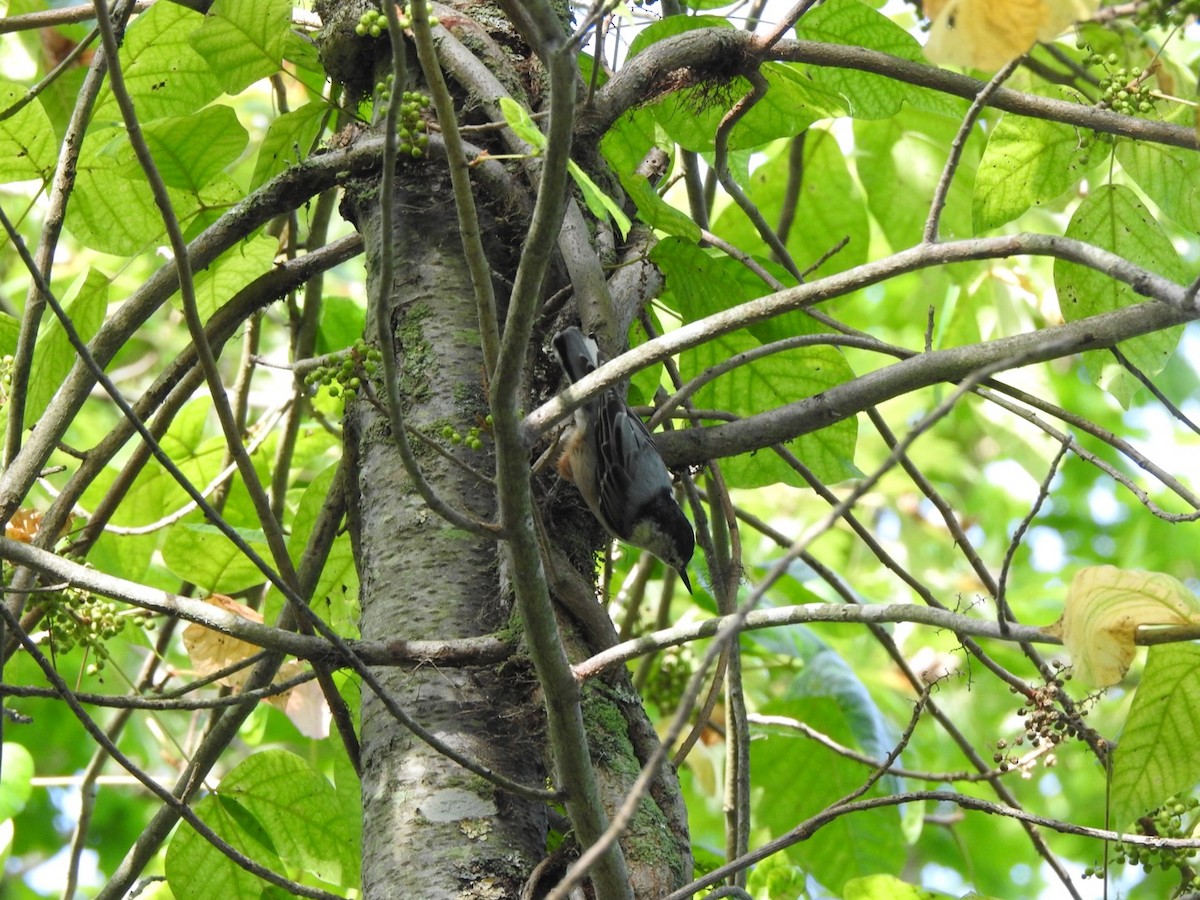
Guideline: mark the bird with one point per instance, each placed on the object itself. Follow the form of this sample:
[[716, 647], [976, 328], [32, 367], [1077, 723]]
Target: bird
[[610, 457]]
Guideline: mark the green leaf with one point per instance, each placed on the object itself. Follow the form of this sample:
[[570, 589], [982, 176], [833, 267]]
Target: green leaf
[[829, 207], [806, 777], [1168, 175], [911, 150], [868, 96], [10, 328], [522, 123], [190, 151], [233, 270], [1156, 755], [163, 73], [599, 203], [630, 138], [16, 776], [298, 809], [243, 40], [342, 322], [698, 285], [1028, 162], [196, 870], [53, 356], [888, 887], [657, 212], [289, 139], [671, 26], [793, 101], [336, 593], [113, 213], [199, 553], [1113, 218], [27, 146], [772, 381]]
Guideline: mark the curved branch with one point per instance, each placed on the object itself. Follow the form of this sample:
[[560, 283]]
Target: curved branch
[[696, 445], [722, 52]]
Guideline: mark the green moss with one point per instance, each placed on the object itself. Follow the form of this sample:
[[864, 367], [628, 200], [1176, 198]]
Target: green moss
[[417, 352], [607, 732], [648, 841]]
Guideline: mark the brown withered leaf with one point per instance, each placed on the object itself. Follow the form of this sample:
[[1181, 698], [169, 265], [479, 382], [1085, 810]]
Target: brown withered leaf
[[211, 651]]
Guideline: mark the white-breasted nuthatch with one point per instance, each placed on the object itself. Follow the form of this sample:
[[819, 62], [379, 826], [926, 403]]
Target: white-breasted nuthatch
[[610, 456]]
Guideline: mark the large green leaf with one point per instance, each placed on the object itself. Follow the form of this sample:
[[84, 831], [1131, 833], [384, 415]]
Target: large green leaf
[[1028, 162], [299, 810], [1168, 175], [27, 148], [829, 207], [196, 870], [190, 151], [336, 595], [806, 777], [794, 100], [232, 271], [243, 40], [655, 211], [868, 96], [165, 76], [1156, 754], [114, 213], [910, 150], [671, 26], [200, 554], [289, 140], [888, 887], [698, 285], [16, 775], [1113, 218], [53, 355]]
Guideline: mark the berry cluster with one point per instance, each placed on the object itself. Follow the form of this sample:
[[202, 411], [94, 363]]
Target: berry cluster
[[374, 23], [1046, 722], [343, 377], [1174, 819], [472, 439], [76, 618], [411, 129], [1123, 89], [1044, 718], [670, 677]]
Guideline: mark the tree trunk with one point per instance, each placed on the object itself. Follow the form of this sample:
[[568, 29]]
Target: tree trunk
[[433, 829]]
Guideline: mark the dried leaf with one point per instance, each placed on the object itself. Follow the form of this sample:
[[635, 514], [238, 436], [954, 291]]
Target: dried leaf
[[211, 651], [1104, 609], [26, 523], [986, 34]]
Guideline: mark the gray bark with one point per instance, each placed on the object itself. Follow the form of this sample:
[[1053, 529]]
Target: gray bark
[[431, 828]]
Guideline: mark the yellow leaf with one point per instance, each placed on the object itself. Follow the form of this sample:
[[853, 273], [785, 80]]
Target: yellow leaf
[[1104, 609], [986, 34]]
